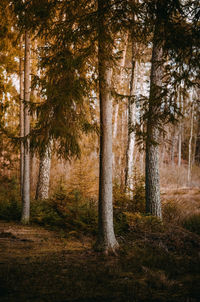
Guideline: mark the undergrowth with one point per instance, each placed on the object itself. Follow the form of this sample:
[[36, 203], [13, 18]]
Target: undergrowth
[[158, 261], [73, 212]]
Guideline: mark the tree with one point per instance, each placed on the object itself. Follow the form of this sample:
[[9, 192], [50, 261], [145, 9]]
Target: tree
[[42, 190], [26, 175], [152, 180], [131, 123], [21, 73], [106, 237]]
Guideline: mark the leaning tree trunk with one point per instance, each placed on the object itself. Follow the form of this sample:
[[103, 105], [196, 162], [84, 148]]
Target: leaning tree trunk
[[42, 190], [21, 84], [152, 178], [26, 175], [131, 126], [106, 238]]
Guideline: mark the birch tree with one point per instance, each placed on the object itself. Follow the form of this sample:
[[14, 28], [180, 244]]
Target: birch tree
[[131, 124]]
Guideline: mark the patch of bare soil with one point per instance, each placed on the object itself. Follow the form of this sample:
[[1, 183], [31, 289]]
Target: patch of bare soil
[[18, 242], [35, 263]]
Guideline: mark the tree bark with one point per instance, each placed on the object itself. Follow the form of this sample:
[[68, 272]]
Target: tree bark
[[153, 203], [179, 144], [197, 148], [106, 238], [26, 179], [42, 191], [131, 126], [190, 145], [115, 120], [173, 145], [21, 95]]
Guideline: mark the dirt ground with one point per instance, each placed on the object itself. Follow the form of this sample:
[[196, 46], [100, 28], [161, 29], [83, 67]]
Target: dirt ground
[[34, 262], [42, 265]]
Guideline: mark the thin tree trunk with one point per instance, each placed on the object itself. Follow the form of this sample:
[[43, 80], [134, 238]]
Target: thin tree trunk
[[179, 144], [197, 148], [190, 145], [153, 203], [115, 121], [173, 146], [106, 237], [131, 126], [42, 191], [26, 180], [21, 85], [119, 81]]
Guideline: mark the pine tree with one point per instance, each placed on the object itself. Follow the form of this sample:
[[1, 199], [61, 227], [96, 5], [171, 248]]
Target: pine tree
[[106, 237]]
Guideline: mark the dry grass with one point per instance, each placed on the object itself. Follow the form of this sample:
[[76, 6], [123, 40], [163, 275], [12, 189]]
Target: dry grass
[[176, 177]]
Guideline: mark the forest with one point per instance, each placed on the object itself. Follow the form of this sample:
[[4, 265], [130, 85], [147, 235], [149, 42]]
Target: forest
[[100, 150]]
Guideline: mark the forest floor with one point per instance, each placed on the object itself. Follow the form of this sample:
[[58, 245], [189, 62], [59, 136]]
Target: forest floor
[[40, 265]]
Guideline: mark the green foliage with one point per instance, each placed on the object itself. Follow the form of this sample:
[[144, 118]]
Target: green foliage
[[10, 207], [70, 212], [192, 223], [124, 201], [171, 212], [124, 204], [140, 223]]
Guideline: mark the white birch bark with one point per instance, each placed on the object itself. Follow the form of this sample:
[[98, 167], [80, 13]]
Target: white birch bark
[[106, 237], [131, 130], [26, 178]]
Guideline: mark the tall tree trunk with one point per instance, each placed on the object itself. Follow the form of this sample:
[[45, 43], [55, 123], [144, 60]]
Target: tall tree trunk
[[190, 145], [115, 120], [106, 237], [173, 145], [120, 86], [152, 178], [26, 180], [21, 85], [42, 191], [197, 148], [131, 126], [179, 144]]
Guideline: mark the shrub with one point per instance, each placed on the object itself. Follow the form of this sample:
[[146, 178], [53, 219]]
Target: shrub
[[69, 211], [192, 223], [10, 205], [143, 223], [171, 212], [128, 203]]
